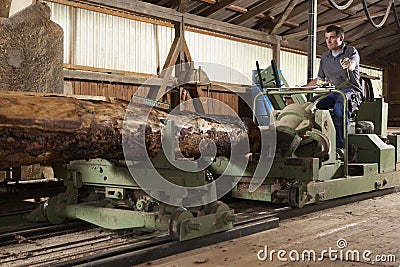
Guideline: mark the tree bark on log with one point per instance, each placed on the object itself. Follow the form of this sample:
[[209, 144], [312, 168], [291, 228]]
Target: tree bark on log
[[46, 128]]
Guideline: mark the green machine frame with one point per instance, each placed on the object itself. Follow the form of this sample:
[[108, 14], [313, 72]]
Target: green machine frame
[[304, 180], [105, 193]]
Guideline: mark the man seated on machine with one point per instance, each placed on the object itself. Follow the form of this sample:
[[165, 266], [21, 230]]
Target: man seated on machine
[[338, 65]]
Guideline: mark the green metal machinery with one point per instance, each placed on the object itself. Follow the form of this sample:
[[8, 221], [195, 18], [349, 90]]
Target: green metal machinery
[[106, 194], [306, 168]]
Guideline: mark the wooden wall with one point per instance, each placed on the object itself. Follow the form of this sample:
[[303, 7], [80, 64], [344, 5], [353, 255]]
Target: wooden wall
[[96, 88], [123, 90], [228, 98], [393, 94]]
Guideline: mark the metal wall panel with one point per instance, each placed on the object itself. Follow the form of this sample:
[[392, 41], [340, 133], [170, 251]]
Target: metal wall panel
[[164, 38], [103, 41], [111, 42], [62, 15], [236, 59], [294, 68]]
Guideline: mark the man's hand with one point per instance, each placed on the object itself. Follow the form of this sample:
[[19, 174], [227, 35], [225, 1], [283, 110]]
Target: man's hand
[[347, 64], [321, 83]]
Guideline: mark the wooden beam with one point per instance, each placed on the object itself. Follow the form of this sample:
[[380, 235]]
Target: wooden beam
[[301, 10], [173, 54], [330, 16], [199, 8], [143, 8], [300, 33], [140, 80], [183, 6], [196, 93], [163, 2], [375, 50], [174, 4], [393, 58], [383, 41], [109, 78], [229, 37], [339, 22], [301, 46], [266, 20], [375, 34], [228, 29], [187, 52], [237, 9], [276, 54], [216, 7], [103, 70], [284, 16], [163, 13], [386, 51], [348, 11], [374, 61], [291, 24], [357, 8], [261, 8], [111, 11], [213, 2], [358, 32]]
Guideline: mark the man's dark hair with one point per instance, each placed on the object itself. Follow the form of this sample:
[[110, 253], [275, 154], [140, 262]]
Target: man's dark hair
[[337, 29]]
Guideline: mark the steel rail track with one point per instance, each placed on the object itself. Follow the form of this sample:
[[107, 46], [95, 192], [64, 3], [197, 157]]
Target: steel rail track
[[98, 240], [98, 251], [42, 230], [163, 247]]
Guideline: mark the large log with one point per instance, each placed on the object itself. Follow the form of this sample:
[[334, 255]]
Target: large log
[[40, 128]]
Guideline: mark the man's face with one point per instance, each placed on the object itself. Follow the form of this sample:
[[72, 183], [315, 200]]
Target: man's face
[[334, 42]]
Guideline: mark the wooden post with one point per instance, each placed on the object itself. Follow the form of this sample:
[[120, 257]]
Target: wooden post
[[312, 39], [276, 52]]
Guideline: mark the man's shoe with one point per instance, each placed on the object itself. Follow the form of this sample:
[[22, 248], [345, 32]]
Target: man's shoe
[[340, 153]]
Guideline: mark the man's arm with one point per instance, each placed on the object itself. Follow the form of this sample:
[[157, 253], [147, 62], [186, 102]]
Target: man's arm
[[351, 61], [348, 63], [321, 77]]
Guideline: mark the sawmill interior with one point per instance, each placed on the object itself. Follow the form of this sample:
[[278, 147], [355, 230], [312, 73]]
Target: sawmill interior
[[199, 132]]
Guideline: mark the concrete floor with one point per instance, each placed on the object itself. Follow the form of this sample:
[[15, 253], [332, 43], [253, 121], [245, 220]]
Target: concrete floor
[[368, 228]]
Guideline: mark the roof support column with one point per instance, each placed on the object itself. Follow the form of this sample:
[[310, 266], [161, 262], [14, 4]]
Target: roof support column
[[276, 52], [180, 36], [312, 40]]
